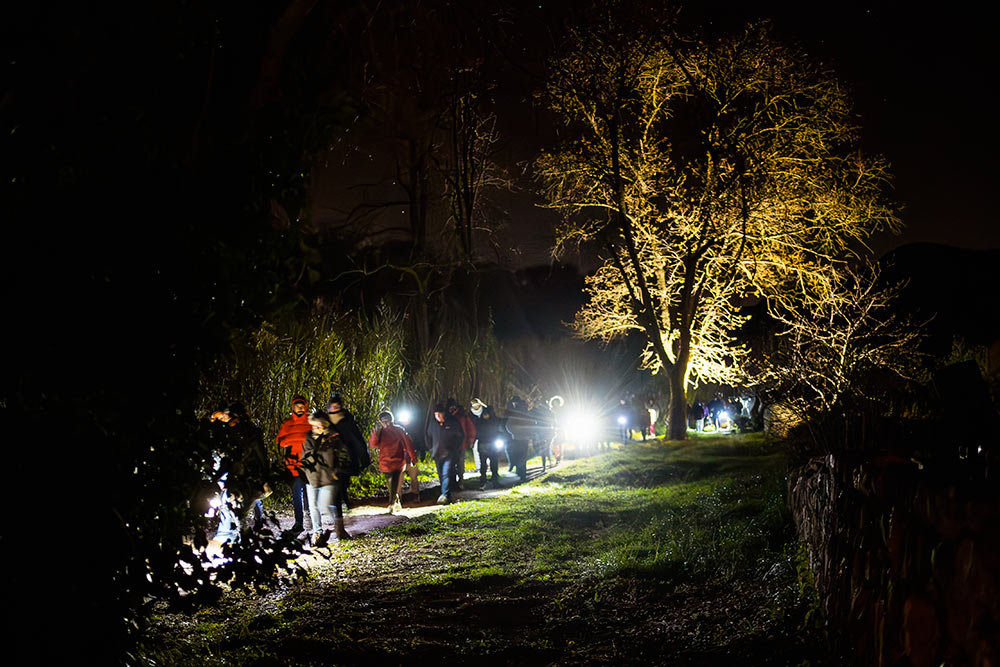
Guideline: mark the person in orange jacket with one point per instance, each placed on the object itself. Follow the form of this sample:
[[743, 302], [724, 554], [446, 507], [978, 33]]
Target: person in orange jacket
[[291, 435], [394, 450]]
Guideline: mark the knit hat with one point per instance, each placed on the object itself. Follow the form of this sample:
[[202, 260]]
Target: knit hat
[[299, 398]]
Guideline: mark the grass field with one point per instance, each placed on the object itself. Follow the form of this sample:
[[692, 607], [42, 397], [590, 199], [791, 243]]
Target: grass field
[[659, 553]]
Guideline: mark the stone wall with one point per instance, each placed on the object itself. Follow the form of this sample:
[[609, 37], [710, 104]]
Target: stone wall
[[907, 559]]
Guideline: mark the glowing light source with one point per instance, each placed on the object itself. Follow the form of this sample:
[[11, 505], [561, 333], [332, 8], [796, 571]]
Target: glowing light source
[[498, 444], [404, 416], [580, 426]]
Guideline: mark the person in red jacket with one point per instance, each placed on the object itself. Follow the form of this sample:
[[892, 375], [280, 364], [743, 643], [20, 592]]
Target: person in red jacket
[[291, 435], [394, 450]]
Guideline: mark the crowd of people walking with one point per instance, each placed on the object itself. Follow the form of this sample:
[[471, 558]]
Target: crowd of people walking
[[321, 450]]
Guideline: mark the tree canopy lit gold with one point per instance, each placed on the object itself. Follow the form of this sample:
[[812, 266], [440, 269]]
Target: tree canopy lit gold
[[706, 174]]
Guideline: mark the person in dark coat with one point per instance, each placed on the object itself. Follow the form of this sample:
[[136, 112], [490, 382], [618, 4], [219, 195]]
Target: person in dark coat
[[327, 463], [343, 422], [242, 472], [489, 429], [715, 406], [444, 437], [518, 426]]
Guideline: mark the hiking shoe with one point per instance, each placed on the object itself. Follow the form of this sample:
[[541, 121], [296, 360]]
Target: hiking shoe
[[296, 528], [320, 539], [396, 508], [443, 500]]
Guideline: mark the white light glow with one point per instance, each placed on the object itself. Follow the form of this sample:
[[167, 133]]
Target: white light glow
[[580, 426], [404, 416]]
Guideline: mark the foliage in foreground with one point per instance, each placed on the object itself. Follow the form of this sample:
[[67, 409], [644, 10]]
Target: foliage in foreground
[[640, 556]]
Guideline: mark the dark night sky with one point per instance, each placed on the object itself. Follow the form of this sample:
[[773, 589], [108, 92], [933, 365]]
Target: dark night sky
[[920, 80], [920, 84]]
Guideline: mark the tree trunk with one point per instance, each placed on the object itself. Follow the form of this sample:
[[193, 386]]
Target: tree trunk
[[678, 388], [678, 404]]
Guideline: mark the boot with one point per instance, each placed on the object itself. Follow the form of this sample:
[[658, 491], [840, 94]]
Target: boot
[[338, 530]]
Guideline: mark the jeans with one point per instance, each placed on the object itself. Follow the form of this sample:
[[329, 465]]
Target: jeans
[[324, 503], [300, 502], [446, 474]]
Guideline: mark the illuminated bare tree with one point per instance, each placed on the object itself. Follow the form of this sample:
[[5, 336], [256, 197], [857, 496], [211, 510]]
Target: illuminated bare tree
[[706, 174], [843, 351]]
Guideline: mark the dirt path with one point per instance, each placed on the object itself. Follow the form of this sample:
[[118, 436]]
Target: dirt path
[[368, 514]]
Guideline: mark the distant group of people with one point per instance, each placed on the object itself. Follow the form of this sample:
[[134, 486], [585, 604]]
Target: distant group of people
[[722, 413], [323, 449], [635, 416], [453, 431]]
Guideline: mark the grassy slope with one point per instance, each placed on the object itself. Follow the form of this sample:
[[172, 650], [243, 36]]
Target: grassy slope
[[662, 553]]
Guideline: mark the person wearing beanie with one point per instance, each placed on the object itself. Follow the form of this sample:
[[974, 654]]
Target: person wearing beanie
[[444, 437], [344, 423], [394, 450], [243, 473], [328, 465], [290, 437]]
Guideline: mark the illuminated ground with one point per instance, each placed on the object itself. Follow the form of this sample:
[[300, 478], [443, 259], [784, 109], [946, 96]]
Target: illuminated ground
[[656, 554]]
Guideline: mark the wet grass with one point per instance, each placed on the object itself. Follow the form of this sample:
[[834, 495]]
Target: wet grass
[[661, 553]]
